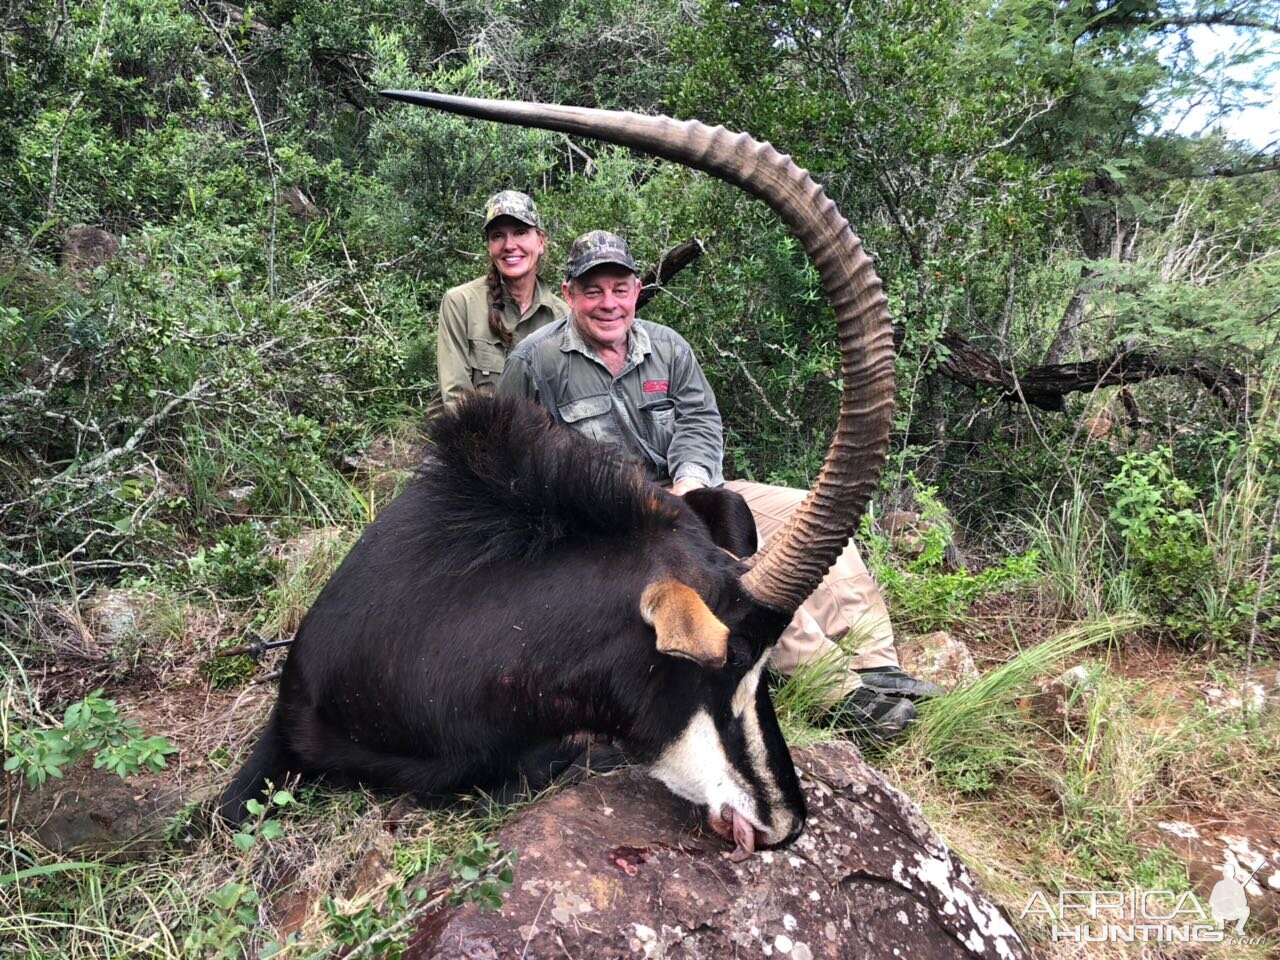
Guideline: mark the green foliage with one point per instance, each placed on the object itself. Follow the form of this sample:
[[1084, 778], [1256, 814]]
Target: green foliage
[[484, 872], [1163, 537], [238, 564], [93, 726], [261, 827], [375, 927], [922, 591], [1172, 554], [481, 871], [222, 670], [230, 918]]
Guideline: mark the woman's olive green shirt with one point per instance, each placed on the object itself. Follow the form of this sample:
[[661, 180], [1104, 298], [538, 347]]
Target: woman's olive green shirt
[[470, 356]]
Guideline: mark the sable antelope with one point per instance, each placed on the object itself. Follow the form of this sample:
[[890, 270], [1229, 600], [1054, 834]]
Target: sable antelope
[[528, 587]]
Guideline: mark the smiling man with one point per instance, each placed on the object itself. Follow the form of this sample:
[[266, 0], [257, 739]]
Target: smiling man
[[638, 386], [617, 379]]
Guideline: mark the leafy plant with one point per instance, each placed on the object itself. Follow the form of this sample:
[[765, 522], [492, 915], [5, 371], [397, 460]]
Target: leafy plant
[[484, 871], [923, 593], [238, 564], [261, 826], [222, 930], [92, 726], [1168, 555], [481, 872]]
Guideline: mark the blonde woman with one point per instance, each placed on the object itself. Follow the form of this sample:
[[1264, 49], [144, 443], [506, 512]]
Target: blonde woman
[[482, 320]]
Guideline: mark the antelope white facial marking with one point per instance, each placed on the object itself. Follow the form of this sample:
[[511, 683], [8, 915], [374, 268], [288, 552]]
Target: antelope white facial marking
[[697, 768], [745, 695], [744, 708]]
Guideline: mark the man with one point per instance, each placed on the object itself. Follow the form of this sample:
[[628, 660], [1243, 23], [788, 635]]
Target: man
[[638, 386]]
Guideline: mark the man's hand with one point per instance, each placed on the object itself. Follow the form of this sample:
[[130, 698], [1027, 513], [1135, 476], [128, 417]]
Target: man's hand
[[681, 487]]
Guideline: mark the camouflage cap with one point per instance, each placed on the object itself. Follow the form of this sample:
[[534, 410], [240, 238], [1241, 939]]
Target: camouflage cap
[[595, 249], [512, 203]]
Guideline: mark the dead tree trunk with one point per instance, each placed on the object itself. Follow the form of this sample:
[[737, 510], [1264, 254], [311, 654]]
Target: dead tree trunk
[[1046, 387], [671, 263]]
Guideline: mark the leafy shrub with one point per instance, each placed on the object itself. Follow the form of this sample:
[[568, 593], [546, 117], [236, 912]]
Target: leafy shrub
[[922, 593], [92, 726], [238, 564], [1179, 572]]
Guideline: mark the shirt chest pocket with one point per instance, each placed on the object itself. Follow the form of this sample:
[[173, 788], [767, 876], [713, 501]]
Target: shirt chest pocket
[[658, 420], [487, 361], [592, 417]]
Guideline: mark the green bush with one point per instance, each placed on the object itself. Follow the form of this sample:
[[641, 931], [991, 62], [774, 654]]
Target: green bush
[[94, 727], [1177, 563], [923, 593], [238, 565]]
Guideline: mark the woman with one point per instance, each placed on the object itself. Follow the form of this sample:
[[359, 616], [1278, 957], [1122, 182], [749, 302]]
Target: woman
[[482, 320]]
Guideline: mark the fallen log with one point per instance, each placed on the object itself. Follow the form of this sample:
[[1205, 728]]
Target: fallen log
[[1046, 387]]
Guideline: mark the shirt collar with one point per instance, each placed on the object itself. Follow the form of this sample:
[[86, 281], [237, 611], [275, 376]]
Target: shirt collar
[[543, 296], [639, 345]]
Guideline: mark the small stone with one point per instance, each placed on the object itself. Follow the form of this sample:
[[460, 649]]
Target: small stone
[[938, 658]]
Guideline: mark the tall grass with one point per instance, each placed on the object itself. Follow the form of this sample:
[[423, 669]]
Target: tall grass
[[986, 712], [1198, 563], [1075, 555]]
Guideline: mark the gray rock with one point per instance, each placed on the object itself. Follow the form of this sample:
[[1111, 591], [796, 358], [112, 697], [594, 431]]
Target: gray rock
[[299, 204], [93, 813], [617, 867], [86, 248], [113, 621], [938, 658]]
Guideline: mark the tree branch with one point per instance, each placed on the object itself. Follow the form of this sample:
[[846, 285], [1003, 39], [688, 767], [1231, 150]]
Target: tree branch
[[1269, 165], [1046, 386], [97, 463], [1196, 20], [266, 144], [668, 265]]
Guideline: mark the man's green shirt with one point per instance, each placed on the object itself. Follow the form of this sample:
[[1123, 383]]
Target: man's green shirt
[[659, 409]]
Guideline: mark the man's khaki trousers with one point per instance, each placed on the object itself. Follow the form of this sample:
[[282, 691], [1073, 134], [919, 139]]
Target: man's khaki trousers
[[846, 602]]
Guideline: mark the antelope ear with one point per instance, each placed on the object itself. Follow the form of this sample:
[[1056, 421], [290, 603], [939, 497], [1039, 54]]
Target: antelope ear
[[685, 625]]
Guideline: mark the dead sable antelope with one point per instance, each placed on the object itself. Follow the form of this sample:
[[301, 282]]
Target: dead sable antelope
[[527, 587]]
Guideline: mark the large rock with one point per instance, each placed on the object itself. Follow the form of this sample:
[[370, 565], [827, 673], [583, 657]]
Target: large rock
[[94, 813], [1247, 847], [615, 868], [938, 658], [299, 204], [86, 248]]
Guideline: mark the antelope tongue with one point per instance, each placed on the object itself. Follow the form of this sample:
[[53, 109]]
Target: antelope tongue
[[744, 834]]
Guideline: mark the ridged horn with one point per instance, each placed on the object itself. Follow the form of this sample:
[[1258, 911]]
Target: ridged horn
[[797, 559]]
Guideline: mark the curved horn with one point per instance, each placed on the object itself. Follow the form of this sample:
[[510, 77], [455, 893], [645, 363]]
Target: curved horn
[[789, 569]]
